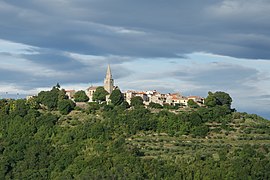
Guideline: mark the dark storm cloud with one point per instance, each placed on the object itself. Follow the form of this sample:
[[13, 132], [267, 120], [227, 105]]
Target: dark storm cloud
[[141, 28]]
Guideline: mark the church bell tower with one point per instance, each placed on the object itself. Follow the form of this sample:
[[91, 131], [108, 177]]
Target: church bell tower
[[108, 81]]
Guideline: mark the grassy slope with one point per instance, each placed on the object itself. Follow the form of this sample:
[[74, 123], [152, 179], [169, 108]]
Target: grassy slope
[[236, 134]]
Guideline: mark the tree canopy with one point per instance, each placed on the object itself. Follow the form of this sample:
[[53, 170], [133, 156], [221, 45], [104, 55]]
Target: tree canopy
[[155, 105], [136, 101], [80, 96], [49, 98], [116, 97], [19, 107], [192, 104], [218, 99], [100, 94], [65, 106]]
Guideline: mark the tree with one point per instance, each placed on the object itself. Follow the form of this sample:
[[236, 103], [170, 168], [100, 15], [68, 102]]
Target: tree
[[49, 98], [155, 105], [210, 100], [57, 86], [116, 97], [122, 107], [65, 106], [62, 94], [195, 119], [136, 101], [125, 105], [200, 131], [4, 106], [100, 94], [223, 98], [92, 107], [168, 106], [192, 104], [80, 96], [48, 120], [19, 107], [32, 103], [218, 98]]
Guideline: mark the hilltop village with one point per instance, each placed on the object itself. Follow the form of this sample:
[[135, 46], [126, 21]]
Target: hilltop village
[[174, 99], [52, 137]]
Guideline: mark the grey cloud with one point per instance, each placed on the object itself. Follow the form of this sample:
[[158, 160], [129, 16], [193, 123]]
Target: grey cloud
[[219, 75], [48, 69], [55, 60], [28, 81], [266, 96], [178, 27], [10, 76], [127, 28]]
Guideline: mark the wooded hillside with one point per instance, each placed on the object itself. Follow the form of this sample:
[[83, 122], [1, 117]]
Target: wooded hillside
[[117, 142]]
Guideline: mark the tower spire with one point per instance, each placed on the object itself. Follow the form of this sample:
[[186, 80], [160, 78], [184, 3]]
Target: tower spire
[[108, 81], [109, 73]]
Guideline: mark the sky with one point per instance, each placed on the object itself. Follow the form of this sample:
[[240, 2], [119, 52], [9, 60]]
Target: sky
[[186, 46]]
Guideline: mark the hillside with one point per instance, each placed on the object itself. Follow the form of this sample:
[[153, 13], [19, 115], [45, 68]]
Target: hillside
[[117, 142]]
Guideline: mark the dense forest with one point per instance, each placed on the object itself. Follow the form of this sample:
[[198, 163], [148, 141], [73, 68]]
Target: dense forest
[[49, 137]]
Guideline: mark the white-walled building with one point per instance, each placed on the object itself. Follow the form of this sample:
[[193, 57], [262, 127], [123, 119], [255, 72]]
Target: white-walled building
[[90, 91], [70, 93], [199, 100]]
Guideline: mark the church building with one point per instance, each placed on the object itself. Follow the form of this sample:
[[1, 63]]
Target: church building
[[108, 85]]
